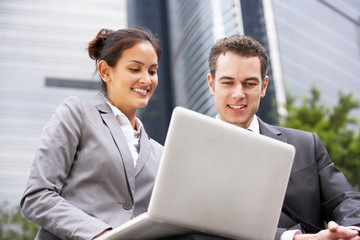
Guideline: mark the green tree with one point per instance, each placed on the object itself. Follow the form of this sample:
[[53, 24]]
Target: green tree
[[337, 129], [13, 225]]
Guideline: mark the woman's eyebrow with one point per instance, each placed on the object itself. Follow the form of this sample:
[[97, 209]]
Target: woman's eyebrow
[[143, 64], [136, 61]]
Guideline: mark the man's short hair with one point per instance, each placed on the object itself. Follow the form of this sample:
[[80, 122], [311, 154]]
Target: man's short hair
[[241, 45]]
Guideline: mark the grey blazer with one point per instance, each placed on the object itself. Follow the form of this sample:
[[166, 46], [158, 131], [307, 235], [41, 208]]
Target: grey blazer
[[83, 179], [317, 191]]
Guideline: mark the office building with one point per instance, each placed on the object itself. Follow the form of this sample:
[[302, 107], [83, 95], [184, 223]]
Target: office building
[[44, 59]]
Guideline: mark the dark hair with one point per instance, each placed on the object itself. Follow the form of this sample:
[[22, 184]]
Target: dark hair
[[109, 45], [239, 44]]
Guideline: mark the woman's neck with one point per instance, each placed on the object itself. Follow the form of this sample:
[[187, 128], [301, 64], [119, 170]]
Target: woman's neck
[[130, 113]]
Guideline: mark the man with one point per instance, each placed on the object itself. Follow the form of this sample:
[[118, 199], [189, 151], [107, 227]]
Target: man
[[317, 191]]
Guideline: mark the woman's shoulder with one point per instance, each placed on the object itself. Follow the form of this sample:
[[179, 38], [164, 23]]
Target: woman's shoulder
[[156, 144], [74, 102], [75, 107], [157, 148]]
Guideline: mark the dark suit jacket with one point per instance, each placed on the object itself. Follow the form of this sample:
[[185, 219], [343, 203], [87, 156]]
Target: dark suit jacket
[[317, 191], [83, 179]]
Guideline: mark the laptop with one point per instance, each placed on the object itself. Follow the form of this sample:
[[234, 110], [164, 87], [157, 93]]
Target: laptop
[[214, 178]]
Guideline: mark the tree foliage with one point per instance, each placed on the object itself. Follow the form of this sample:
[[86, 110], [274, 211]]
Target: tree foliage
[[13, 225], [336, 128]]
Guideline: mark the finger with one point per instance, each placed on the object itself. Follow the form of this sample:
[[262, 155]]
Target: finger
[[346, 233], [332, 226]]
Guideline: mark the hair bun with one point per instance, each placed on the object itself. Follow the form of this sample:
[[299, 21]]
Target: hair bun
[[95, 46]]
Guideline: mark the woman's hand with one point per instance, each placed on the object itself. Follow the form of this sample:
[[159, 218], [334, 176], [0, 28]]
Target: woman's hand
[[107, 230]]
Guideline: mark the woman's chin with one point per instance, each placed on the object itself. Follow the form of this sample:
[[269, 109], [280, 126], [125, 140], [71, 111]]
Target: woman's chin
[[142, 104]]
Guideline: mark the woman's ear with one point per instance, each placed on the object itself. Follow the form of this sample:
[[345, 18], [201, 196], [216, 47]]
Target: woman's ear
[[104, 70]]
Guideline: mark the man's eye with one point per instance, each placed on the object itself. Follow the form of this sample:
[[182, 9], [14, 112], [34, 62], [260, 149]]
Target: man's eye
[[226, 83], [250, 84]]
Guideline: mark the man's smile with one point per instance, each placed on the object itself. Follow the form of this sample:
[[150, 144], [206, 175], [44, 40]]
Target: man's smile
[[237, 107]]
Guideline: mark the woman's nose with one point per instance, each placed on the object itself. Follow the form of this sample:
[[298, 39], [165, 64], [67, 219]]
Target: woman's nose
[[146, 78]]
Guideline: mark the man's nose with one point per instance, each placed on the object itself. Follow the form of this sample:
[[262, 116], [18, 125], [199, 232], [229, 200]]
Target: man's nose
[[238, 92]]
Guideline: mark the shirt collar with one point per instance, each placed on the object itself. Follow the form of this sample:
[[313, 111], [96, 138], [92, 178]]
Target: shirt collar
[[254, 125], [124, 121]]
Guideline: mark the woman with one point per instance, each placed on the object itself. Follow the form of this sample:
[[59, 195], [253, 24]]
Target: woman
[[92, 158]]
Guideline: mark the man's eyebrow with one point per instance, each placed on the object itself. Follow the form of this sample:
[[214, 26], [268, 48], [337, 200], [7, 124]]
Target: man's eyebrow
[[226, 78], [246, 79], [252, 78], [142, 64]]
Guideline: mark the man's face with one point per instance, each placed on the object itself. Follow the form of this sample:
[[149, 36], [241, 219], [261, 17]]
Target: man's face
[[237, 88]]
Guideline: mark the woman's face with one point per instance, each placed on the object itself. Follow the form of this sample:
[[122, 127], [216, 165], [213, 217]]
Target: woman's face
[[133, 80]]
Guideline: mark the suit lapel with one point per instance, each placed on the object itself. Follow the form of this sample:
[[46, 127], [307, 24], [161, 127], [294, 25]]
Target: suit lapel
[[270, 131], [145, 146], [120, 140]]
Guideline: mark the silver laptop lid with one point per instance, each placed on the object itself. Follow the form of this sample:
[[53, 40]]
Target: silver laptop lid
[[220, 179]]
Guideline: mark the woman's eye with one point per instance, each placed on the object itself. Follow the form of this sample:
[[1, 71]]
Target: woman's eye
[[153, 72], [134, 69]]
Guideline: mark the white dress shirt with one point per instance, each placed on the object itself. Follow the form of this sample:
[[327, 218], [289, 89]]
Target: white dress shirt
[[132, 136]]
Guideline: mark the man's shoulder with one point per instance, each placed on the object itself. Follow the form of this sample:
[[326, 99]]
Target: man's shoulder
[[284, 130]]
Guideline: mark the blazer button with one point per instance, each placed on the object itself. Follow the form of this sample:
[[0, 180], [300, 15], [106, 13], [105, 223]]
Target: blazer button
[[127, 205]]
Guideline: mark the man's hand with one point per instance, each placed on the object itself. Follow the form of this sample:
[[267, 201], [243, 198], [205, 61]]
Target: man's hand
[[334, 232]]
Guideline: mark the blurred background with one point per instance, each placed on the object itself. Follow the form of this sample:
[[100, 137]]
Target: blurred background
[[43, 59]]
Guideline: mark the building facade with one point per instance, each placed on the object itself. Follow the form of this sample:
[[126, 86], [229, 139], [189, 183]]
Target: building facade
[[44, 59], [319, 45]]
